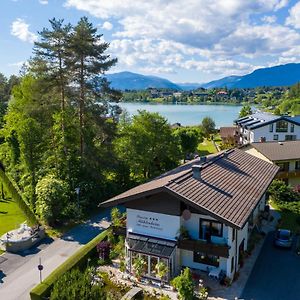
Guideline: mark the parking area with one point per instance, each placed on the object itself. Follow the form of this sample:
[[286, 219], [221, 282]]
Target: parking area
[[276, 274]]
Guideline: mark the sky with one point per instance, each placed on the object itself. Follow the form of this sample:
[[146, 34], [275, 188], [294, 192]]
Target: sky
[[181, 40]]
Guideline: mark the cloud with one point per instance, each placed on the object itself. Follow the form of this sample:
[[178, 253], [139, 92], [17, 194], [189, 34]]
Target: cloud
[[294, 17], [217, 36], [43, 2], [20, 29], [107, 25], [269, 19]]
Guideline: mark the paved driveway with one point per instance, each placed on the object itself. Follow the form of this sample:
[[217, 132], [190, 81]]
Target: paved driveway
[[275, 276], [18, 272]]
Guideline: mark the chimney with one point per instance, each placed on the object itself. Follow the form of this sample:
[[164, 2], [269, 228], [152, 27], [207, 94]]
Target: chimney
[[197, 171]]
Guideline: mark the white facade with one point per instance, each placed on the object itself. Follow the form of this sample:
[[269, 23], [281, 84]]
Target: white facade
[[269, 133], [168, 227]]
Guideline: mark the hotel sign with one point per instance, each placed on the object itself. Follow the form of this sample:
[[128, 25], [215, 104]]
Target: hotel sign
[[153, 224]]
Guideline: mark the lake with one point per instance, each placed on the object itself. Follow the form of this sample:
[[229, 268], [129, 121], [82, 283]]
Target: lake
[[188, 114]]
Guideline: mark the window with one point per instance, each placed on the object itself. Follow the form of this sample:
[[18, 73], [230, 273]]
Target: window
[[297, 165], [275, 137], [210, 228], [271, 127], [233, 234], [284, 166], [282, 126], [290, 137], [263, 139], [292, 127], [203, 258], [232, 264]]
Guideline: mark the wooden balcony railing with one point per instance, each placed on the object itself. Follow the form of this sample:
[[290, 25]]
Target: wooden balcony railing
[[202, 246]]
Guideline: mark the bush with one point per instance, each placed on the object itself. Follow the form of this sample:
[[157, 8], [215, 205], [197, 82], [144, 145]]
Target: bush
[[103, 248], [78, 259], [76, 285], [51, 196], [282, 193], [184, 285]]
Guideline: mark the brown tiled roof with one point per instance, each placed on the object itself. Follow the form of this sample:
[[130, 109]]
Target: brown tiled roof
[[230, 187], [228, 131], [276, 151]]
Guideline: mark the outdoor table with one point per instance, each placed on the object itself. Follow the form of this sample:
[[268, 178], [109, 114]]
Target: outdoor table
[[215, 273]]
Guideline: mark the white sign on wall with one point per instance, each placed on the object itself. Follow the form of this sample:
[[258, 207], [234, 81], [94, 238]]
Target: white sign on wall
[[153, 224]]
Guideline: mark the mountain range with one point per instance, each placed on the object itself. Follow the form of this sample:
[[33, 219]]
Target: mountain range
[[282, 75]]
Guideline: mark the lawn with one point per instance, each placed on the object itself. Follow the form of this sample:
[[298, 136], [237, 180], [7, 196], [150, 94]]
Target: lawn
[[11, 216], [206, 148]]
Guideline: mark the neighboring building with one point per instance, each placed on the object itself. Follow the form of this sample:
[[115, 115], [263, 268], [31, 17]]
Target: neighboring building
[[215, 200], [266, 127], [286, 155], [230, 135]]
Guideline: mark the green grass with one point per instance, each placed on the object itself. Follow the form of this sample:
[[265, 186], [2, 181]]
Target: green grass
[[206, 148], [11, 216], [289, 220]]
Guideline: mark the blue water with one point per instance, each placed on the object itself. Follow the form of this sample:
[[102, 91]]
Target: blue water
[[188, 114]]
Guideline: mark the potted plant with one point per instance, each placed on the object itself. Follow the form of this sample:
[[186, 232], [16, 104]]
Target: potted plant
[[162, 270], [139, 266]]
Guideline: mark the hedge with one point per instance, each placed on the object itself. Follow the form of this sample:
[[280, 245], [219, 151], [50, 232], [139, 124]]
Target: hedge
[[16, 195], [78, 259]]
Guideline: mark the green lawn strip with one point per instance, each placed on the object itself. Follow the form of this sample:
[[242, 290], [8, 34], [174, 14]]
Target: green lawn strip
[[289, 220], [217, 139], [11, 216], [206, 148], [78, 259]]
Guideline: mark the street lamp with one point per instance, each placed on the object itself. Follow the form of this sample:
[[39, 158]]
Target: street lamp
[[77, 191]]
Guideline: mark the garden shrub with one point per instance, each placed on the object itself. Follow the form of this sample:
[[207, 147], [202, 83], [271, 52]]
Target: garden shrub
[[184, 285], [77, 285]]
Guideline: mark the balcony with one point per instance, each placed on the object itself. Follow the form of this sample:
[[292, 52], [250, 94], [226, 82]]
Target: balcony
[[202, 246], [288, 174]]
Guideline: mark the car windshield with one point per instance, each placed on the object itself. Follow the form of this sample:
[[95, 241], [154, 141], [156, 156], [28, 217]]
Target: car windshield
[[283, 234]]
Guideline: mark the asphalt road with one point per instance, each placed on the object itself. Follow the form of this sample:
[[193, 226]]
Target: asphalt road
[[19, 273], [276, 274]]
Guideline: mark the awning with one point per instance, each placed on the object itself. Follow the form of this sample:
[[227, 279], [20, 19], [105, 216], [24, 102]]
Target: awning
[[150, 245]]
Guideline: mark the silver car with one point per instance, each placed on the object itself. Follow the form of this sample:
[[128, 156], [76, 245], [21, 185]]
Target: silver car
[[283, 238]]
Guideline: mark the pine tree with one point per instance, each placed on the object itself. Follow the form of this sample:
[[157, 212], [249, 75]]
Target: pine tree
[[87, 60]]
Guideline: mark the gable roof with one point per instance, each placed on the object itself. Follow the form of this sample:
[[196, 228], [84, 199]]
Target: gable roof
[[230, 187], [228, 131], [260, 119], [277, 151]]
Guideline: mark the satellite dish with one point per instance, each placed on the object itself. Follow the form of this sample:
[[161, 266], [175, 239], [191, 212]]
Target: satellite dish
[[186, 214]]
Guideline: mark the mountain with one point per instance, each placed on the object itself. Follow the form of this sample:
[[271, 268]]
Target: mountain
[[189, 86], [133, 81], [282, 75], [228, 81]]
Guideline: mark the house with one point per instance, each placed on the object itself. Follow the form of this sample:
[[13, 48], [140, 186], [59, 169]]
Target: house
[[230, 135], [286, 155], [266, 127], [198, 215]]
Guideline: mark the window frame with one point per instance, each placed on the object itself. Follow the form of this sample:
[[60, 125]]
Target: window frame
[[292, 127], [271, 127], [281, 128], [277, 137], [211, 260], [210, 229]]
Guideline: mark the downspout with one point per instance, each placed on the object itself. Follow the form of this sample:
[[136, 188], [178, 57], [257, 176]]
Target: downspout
[[236, 260]]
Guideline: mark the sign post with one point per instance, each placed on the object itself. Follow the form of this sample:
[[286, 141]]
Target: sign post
[[40, 268]]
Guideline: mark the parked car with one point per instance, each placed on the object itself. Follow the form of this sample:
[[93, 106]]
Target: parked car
[[283, 238]]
